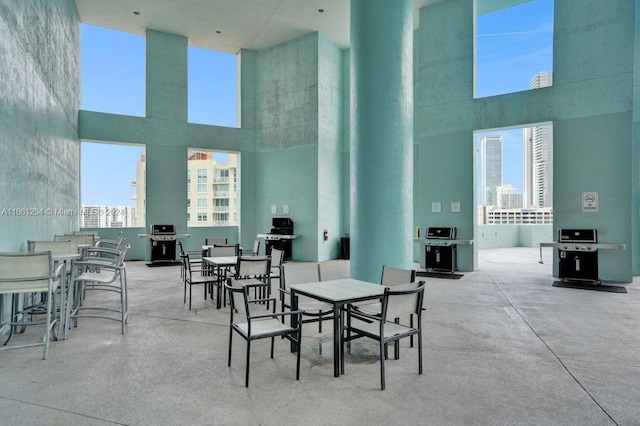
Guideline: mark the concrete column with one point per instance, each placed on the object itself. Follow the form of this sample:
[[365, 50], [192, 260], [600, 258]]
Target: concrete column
[[167, 76], [381, 136]]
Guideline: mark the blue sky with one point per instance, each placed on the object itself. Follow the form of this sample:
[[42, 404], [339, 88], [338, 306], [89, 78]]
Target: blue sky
[[513, 45]]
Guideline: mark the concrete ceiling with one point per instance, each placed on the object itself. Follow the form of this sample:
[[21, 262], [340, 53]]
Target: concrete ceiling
[[227, 25]]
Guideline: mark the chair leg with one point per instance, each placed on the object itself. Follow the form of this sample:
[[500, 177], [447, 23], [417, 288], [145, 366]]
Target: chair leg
[[299, 338], [319, 321], [411, 325], [420, 352], [246, 379], [230, 339], [272, 344], [396, 344], [382, 353], [126, 296], [190, 288], [342, 353], [122, 302]]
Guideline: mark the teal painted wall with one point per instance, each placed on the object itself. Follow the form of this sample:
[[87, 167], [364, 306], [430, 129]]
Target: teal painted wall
[[444, 122], [346, 141], [590, 106], [39, 100], [298, 141], [635, 149], [330, 149], [287, 139]]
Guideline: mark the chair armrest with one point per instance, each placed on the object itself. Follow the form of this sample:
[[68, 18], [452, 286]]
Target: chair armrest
[[108, 242], [57, 272], [107, 265], [271, 299], [355, 311], [277, 314], [102, 250], [249, 285]]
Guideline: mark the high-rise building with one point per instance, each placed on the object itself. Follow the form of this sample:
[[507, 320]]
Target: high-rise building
[[538, 156], [212, 190], [490, 167], [507, 197], [103, 216]]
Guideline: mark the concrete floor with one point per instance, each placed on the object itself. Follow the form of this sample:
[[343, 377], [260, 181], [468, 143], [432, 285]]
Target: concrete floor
[[501, 346]]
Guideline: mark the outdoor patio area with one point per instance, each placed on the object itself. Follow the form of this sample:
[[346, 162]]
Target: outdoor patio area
[[501, 346]]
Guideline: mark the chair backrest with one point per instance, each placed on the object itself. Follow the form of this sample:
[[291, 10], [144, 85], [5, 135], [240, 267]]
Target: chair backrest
[[25, 272], [256, 247], [186, 259], [237, 297], [300, 274], [394, 276], [78, 239], [55, 247], [180, 246], [220, 250], [94, 233], [403, 299], [276, 257], [215, 241], [253, 266]]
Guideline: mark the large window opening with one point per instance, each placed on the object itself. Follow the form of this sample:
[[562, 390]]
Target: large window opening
[[513, 46], [515, 175], [113, 71], [212, 87], [113, 183], [213, 174]]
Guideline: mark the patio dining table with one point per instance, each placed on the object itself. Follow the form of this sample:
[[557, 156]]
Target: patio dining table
[[219, 263], [337, 293]]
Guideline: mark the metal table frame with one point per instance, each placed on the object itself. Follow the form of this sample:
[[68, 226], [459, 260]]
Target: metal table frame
[[218, 263], [336, 293]]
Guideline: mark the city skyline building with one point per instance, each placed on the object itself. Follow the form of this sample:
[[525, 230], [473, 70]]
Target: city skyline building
[[490, 167], [507, 197], [104, 216], [212, 189], [538, 156]]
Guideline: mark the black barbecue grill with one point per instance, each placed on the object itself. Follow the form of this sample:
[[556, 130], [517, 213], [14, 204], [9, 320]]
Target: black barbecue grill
[[163, 243], [441, 249], [578, 254], [280, 237]]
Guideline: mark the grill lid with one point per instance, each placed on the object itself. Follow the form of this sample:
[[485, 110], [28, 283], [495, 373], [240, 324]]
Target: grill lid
[[282, 222], [440, 233], [577, 236], [163, 229]]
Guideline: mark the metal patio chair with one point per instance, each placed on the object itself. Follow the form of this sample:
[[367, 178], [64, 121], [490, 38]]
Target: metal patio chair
[[262, 326]]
